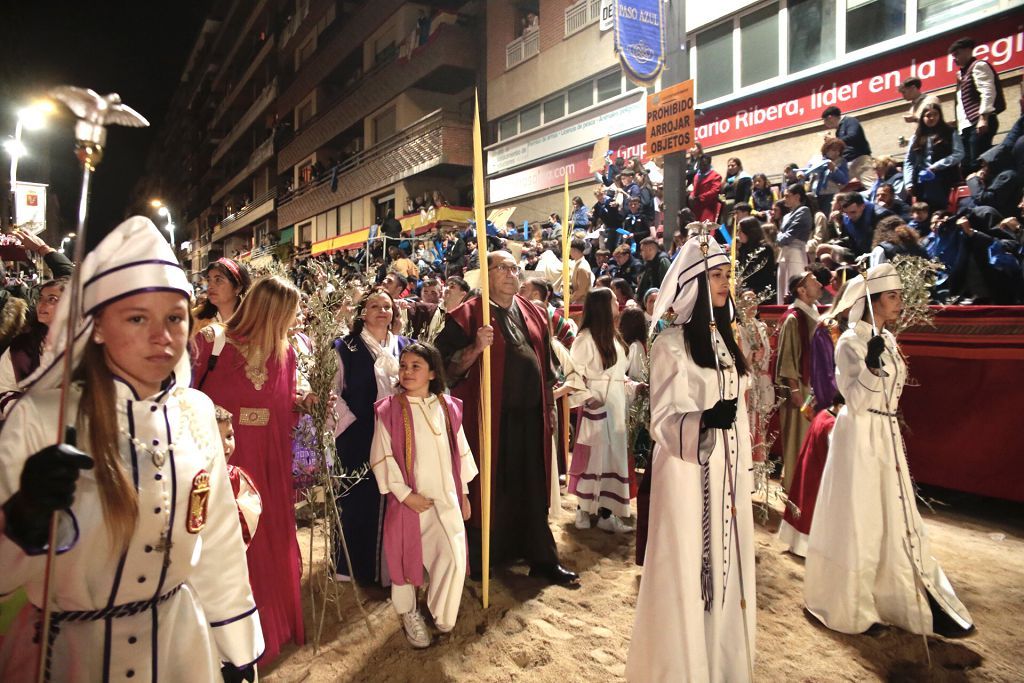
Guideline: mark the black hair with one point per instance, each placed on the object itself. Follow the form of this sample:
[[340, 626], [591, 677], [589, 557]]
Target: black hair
[[846, 199], [578, 244], [751, 227], [458, 282], [597, 319], [623, 286], [633, 326], [697, 332], [831, 111], [243, 282], [800, 191], [430, 354], [961, 43], [541, 285]]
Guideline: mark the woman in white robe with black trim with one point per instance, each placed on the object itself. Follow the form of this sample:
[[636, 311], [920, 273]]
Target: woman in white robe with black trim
[[868, 556], [690, 622], [150, 581]]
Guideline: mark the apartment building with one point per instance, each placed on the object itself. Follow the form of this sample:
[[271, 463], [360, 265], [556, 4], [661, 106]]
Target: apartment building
[[554, 87], [376, 117], [212, 163], [299, 121], [764, 71]]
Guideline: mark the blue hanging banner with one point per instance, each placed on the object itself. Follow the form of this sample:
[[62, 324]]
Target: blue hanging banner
[[639, 38]]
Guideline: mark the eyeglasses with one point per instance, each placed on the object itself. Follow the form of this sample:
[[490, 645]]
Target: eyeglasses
[[504, 267]]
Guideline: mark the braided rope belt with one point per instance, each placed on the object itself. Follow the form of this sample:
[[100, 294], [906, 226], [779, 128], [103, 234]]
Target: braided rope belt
[[127, 609]]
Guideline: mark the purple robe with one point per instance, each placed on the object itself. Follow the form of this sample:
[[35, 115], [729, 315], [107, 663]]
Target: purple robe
[[823, 367], [403, 546]]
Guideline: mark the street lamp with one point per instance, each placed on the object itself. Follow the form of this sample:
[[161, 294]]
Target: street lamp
[[163, 211], [32, 117]]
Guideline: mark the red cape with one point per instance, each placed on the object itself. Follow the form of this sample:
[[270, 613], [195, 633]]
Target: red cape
[[469, 318]]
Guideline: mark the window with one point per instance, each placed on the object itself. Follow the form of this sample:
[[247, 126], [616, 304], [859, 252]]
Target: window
[[529, 118], [581, 97], [305, 51], [384, 51], [554, 108], [609, 86], [305, 111], [812, 33], [934, 12], [714, 62], [384, 125], [872, 21], [759, 46], [508, 127]]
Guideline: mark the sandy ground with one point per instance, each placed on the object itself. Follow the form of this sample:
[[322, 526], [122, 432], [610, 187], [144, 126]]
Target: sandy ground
[[532, 632]]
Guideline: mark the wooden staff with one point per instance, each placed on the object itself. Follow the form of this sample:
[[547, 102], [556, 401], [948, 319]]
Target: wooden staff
[[565, 314], [485, 360]]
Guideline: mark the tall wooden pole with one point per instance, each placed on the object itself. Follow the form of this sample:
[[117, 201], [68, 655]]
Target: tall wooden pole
[[566, 240], [485, 360]]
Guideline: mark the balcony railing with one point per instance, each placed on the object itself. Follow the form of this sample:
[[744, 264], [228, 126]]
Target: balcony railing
[[449, 46], [437, 138], [254, 62], [580, 15], [294, 24], [522, 48], [258, 106], [261, 155], [253, 210]]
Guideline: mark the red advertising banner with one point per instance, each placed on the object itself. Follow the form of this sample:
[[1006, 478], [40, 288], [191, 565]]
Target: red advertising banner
[[862, 85]]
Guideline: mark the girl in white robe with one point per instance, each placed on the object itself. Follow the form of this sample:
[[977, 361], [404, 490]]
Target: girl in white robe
[[599, 475], [161, 594], [690, 624], [438, 495], [868, 556]]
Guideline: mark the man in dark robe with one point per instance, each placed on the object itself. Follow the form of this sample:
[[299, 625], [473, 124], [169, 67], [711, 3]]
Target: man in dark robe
[[521, 419]]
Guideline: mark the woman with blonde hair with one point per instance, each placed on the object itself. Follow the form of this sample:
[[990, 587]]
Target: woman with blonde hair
[[248, 367], [150, 578]]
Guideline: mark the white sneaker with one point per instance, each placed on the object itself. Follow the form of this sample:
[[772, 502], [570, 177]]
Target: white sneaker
[[613, 524], [582, 519], [416, 629]]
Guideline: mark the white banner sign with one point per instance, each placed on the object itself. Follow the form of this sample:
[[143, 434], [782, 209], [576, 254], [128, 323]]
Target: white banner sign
[[614, 117], [30, 207], [607, 15]]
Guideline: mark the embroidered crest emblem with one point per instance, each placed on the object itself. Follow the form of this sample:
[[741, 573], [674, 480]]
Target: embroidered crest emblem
[[198, 500]]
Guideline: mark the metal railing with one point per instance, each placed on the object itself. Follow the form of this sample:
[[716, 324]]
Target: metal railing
[[580, 15], [294, 24], [248, 208], [424, 126], [522, 48], [261, 155]]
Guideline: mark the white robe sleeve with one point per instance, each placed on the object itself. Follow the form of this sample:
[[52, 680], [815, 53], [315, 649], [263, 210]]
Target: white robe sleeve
[[856, 382], [385, 468], [25, 434], [675, 417], [589, 378], [467, 466], [220, 575], [8, 382]]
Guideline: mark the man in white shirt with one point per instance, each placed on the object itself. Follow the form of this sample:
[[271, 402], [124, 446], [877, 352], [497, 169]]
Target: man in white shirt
[[910, 90]]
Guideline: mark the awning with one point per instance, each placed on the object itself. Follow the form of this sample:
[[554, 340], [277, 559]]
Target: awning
[[416, 223]]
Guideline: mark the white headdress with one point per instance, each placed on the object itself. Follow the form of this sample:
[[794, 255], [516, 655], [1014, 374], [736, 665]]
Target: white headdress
[[132, 259], [679, 288], [881, 278]]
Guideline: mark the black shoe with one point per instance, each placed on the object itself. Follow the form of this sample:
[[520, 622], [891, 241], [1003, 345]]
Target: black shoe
[[555, 574]]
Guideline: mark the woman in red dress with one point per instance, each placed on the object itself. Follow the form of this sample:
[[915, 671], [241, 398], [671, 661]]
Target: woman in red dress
[[247, 367]]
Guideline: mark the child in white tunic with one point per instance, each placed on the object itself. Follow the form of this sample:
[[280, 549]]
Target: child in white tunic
[[427, 484], [599, 475]]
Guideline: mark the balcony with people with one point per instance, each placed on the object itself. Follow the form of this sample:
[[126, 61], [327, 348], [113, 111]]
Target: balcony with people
[[437, 141], [446, 62]]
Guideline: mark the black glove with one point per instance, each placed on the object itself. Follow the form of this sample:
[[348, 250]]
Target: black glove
[[47, 485], [234, 674], [876, 345], [721, 415]]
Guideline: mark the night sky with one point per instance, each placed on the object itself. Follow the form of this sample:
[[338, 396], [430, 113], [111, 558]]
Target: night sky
[[137, 49]]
